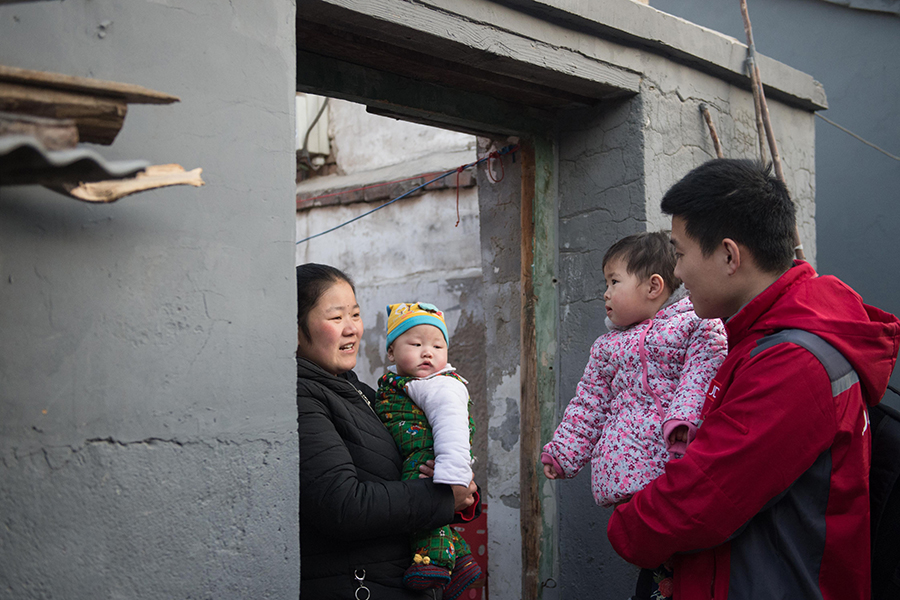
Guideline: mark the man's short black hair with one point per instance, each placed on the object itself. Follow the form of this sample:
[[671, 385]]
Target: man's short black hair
[[646, 254], [741, 200]]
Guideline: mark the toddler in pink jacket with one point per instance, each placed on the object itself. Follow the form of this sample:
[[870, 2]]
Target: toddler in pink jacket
[[638, 403]]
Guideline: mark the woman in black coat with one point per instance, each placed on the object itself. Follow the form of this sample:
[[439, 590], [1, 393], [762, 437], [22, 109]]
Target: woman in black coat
[[356, 515]]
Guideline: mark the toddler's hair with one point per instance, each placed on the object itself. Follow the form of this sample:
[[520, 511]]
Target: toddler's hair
[[645, 254]]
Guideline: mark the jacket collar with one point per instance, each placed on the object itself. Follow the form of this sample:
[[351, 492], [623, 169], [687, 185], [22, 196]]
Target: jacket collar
[[751, 316]]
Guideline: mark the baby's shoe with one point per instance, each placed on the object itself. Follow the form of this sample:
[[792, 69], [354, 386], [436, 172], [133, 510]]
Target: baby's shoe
[[422, 575], [464, 574]]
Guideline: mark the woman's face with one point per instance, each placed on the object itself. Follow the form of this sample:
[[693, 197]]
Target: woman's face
[[335, 328]]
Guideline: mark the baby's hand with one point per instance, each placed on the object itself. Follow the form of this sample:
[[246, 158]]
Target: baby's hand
[[551, 473], [679, 434]]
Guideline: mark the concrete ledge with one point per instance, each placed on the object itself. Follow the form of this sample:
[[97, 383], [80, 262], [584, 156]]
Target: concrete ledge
[[549, 41], [645, 27]]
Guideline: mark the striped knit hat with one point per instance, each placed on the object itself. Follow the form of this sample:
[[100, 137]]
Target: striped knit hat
[[406, 315]]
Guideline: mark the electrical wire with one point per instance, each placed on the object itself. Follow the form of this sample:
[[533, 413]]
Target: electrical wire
[[867, 143], [505, 150]]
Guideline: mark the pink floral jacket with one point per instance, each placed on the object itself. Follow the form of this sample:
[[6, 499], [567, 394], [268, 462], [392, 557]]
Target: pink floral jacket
[[639, 384]]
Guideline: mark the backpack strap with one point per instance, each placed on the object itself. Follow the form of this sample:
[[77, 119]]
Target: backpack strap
[[839, 370], [884, 473]]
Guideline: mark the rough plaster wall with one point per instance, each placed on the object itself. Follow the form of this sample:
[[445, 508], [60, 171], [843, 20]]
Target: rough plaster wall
[[601, 199], [147, 415], [856, 186], [363, 141], [616, 162], [677, 138], [501, 296]]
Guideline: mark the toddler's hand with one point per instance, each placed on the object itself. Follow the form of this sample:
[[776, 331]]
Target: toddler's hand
[[551, 473], [679, 434], [624, 500]]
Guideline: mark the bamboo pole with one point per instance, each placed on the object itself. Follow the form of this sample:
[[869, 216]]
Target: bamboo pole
[[755, 86], [712, 130], [762, 112]]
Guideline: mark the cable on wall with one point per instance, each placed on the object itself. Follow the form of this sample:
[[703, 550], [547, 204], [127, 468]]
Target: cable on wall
[[495, 155]]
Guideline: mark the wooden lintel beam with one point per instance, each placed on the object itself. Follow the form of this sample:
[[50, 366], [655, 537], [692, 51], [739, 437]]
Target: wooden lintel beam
[[417, 100]]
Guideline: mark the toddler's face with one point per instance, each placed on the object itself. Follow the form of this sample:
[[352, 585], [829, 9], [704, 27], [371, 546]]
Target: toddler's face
[[419, 352], [625, 296]]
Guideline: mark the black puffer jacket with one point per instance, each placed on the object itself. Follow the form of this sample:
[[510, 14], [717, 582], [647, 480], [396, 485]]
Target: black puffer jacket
[[355, 513]]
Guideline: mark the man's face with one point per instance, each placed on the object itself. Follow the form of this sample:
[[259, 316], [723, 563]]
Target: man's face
[[703, 276]]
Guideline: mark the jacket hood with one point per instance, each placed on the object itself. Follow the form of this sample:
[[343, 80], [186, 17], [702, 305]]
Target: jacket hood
[[868, 337]]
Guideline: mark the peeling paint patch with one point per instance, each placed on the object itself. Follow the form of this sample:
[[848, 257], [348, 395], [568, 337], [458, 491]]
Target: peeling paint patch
[[507, 433], [511, 500]]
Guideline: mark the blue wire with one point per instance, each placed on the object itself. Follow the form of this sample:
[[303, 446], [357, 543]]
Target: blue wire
[[505, 150]]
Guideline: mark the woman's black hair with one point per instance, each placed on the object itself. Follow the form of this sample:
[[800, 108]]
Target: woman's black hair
[[313, 280]]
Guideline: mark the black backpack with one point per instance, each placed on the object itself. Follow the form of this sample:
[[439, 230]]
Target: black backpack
[[884, 494], [884, 474]]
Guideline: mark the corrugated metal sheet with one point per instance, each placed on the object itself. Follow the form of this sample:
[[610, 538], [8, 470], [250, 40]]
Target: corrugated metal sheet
[[23, 160]]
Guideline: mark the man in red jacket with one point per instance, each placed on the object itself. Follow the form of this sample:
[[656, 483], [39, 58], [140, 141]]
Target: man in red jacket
[[771, 499]]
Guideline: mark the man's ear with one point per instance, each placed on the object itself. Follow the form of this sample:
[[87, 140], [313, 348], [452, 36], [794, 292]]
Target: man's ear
[[731, 253], [657, 286]]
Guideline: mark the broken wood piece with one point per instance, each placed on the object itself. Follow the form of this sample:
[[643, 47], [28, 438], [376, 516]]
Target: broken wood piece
[[132, 94], [97, 107], [151, 178], [98, 119], [54, 134]]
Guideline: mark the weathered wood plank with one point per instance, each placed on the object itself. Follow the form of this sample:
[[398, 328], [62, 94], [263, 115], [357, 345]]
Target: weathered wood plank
[[98, 119], [419, 101], [546, 283], [382, 56], [132, 94], [53, 134]]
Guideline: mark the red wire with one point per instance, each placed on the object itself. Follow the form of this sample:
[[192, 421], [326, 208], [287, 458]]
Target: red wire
[[458, 171], [495, 156]]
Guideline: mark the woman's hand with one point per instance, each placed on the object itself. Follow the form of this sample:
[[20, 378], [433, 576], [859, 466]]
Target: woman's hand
[[427, 469], [463, 496]]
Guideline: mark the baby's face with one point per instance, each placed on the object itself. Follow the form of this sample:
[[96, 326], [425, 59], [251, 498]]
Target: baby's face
[[419, 352]]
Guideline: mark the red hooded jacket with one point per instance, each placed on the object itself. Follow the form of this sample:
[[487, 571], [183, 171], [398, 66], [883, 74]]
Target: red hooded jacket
[[771, 499]]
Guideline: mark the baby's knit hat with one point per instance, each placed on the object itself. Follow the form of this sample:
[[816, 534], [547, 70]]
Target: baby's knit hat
[[406, 315]]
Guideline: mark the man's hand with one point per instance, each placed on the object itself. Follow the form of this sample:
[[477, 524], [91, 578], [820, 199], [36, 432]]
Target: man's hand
[[463, 496], [679, 434]]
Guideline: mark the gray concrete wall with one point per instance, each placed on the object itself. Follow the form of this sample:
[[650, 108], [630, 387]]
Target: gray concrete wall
[[602, 199], [616, 161], [147, 416], [852, 53]]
